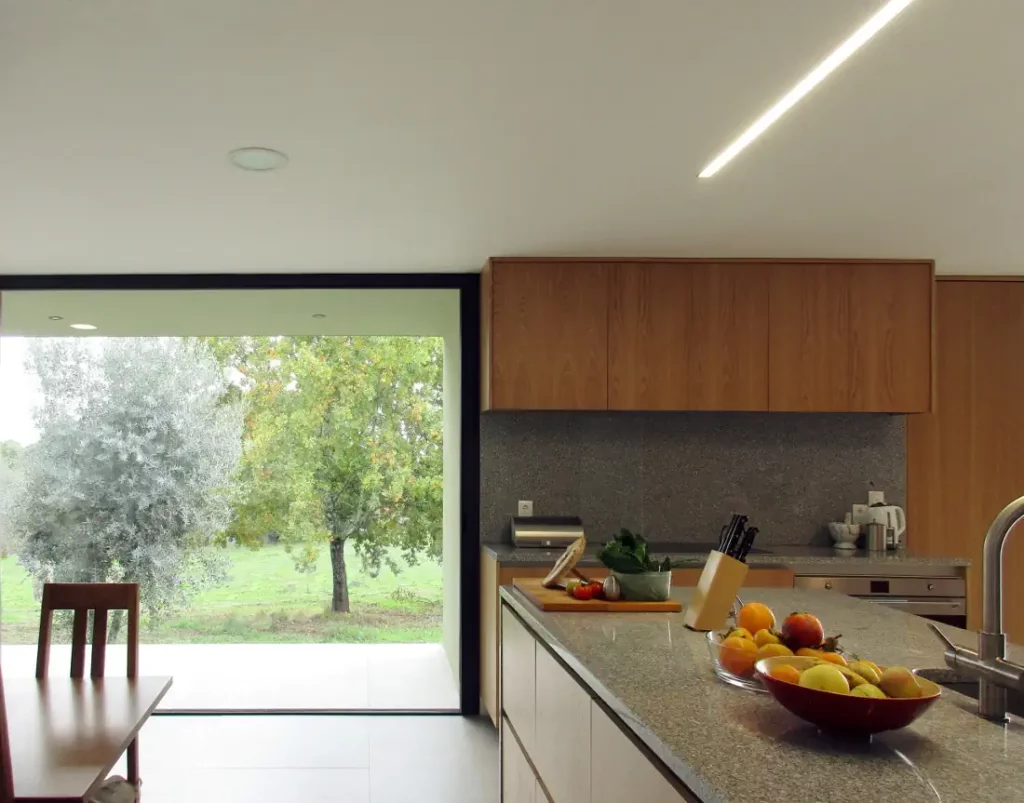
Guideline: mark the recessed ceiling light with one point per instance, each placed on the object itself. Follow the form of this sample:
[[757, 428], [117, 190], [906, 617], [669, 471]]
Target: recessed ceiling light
[[85, 326], [259, 160], [56, 318], [860, 37]]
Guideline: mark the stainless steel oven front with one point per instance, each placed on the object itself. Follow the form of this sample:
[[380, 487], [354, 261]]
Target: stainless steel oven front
[[942, 599]]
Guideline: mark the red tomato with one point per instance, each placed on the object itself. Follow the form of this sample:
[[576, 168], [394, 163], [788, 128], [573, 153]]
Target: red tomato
[[802, 630], [583, 592]]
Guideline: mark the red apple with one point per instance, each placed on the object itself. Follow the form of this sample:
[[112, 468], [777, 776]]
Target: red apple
[[802, 630]]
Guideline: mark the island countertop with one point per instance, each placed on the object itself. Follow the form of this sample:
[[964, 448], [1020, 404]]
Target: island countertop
[[728, 745]]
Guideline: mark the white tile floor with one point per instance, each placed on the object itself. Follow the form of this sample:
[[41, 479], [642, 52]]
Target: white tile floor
[[377, 677], [343, 759]]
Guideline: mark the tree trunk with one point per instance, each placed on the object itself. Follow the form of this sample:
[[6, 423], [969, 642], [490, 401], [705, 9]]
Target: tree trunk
[[339, 577]]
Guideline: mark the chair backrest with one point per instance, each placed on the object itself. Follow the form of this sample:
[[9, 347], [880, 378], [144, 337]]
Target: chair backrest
[[82, 598], [6, 769]]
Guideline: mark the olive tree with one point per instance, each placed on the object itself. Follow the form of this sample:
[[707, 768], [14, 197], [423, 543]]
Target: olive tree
[[129, 480]]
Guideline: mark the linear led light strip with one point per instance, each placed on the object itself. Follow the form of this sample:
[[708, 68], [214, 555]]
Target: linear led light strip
[[883, 17]]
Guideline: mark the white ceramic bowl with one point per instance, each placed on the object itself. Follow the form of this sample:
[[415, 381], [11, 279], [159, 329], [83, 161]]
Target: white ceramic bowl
[[844, 536]]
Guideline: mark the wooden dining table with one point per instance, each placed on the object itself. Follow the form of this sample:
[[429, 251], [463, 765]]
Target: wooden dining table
[[66, 735]]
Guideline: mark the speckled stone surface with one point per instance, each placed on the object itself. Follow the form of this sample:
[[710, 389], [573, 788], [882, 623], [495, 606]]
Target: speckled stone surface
[[791, 556], [677, 476], [732, 746]]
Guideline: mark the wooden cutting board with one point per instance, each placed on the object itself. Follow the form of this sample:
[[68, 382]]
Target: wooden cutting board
[[556, 600]]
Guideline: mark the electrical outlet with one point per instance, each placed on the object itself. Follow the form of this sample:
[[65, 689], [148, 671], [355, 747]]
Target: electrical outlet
[[525, 507]]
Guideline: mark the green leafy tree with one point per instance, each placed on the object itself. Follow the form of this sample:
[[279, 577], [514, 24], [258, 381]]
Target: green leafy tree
[[130, 478], [343, 444], [10, 482]]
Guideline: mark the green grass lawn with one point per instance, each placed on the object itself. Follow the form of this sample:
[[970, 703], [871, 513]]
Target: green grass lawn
[[266, 600]]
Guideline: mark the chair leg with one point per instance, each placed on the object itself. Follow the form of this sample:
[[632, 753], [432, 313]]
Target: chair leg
[[133, 762]]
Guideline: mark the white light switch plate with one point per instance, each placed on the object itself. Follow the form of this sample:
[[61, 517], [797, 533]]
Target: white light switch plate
[[525, 507]]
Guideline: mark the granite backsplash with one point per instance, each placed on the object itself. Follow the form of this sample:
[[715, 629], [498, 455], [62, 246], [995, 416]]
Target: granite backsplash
[[677, 476]]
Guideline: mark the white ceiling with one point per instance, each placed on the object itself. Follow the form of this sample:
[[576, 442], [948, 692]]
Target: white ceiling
[[431, 134]]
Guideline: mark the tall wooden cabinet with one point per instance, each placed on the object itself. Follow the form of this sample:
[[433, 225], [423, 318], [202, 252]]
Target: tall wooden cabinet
[[965, 461], [687, 334]]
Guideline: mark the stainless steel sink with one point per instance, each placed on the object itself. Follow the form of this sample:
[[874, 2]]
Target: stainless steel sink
[[969, 687]]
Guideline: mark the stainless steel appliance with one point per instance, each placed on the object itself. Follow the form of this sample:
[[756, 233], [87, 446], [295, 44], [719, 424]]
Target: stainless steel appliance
[[942, 599], [545, 532]]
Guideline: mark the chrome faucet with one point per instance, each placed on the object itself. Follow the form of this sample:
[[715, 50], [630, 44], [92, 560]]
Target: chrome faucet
[[995, 674]]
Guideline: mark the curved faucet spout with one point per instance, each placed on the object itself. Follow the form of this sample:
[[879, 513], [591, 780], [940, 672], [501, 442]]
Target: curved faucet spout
[[992, 569]]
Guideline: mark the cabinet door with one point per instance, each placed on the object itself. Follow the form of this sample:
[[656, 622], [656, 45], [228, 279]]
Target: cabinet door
[[518, 684], [688, 336], [891, 338], [518, 784], [809, 338], [548, 336], [965, 460], [619, 770], [562, 754]]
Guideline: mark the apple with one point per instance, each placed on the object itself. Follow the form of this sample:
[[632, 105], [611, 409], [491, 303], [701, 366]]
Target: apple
[[802, 630], [825, 677]]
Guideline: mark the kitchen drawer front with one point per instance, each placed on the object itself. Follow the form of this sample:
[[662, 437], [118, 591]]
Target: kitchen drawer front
[[887, 586], [518, 783], [619, 771], [562, 754], [518, 672]]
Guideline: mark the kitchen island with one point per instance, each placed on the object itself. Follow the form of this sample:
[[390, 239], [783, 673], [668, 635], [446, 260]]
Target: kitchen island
[[653, 678]]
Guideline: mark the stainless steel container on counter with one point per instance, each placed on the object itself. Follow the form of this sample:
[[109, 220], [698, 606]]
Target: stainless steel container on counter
[[545, 531], [875, 538]]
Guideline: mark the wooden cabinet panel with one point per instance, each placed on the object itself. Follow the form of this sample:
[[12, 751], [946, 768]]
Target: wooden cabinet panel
[[518, 672], [808, 341], [965, 460], [688, 336], [619, 770], [518, 783], [562, 754], [890, 337], [850, 337], [547, 336]]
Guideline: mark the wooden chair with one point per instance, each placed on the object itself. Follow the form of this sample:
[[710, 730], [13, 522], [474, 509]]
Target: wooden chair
[[6, 769], [100, 598]]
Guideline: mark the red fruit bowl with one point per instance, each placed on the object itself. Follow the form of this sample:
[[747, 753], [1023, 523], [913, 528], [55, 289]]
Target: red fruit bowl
[[843, 713]]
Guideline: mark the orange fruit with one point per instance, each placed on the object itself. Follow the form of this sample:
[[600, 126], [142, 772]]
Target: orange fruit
[[771, 650], [809, 653], [738, 655], [762, 637], [833, 658], [755, 616], [785, 672]]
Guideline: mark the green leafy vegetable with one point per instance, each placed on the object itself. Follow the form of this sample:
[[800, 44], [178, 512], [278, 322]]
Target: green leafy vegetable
[[628, 554]]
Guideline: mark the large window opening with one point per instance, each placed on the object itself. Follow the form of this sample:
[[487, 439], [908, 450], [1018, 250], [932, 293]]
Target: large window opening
[[278, 471]]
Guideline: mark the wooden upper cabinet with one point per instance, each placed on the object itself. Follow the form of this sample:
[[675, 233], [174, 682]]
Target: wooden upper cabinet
[[809, 338], [545, 335], [850, 337], [828, 336], [688, 336], [891, 337]]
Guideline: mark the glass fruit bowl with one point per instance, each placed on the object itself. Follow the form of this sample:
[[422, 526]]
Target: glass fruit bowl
[[734, 666]]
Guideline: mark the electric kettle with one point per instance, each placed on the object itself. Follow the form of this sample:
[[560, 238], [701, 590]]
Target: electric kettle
[[889, 516]]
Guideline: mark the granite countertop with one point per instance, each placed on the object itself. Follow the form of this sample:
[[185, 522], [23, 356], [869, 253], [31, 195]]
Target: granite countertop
[[733, 746], [770, 556]]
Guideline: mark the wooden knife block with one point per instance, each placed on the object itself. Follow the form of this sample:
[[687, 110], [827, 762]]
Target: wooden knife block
[[718, 586]]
